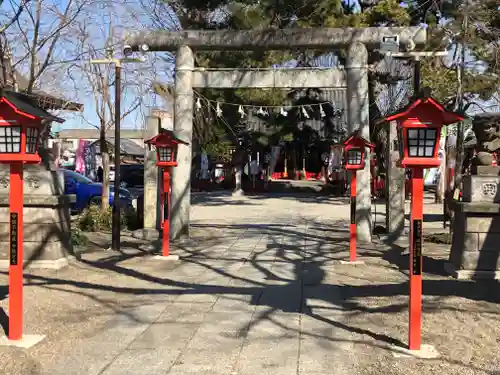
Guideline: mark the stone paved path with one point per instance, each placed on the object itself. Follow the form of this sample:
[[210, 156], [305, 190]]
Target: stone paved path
[[267, 296]]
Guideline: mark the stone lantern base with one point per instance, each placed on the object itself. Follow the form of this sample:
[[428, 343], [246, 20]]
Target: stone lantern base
[[47, 232], [475, 249]]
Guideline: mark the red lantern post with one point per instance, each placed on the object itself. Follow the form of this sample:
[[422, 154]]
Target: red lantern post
[[20, 129], [354, 160], [166, 145], [419, 127]]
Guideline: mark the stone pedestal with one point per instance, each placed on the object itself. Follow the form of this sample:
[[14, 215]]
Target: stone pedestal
[[151, 209], [47, 221], [475, 249]]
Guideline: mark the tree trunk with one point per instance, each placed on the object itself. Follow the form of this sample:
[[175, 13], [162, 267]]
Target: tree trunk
[[441, 183], [105, 169]]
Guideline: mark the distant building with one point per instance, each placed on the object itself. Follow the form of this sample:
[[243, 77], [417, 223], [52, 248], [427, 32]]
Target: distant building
[[70, 138]]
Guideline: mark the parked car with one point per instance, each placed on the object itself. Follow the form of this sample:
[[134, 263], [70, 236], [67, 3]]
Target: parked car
[[132, 175], [89, 192]]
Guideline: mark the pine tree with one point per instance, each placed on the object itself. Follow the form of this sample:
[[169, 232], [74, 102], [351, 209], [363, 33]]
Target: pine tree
[[443, 18]]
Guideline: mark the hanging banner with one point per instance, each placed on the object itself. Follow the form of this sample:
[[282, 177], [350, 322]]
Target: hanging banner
[[89, 161], [79, 158], [275, 152], [204, 173]]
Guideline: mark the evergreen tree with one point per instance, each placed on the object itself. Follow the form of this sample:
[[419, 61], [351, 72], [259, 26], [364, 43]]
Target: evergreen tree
[[443, 18]]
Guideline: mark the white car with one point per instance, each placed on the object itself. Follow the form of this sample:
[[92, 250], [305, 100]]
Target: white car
[[112, 173]]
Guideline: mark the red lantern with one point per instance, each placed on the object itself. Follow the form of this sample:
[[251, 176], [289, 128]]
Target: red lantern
[[166, 145], [354, 160], [419, 127], [21, 125], [20, 132], [354, 151], [419, 132]]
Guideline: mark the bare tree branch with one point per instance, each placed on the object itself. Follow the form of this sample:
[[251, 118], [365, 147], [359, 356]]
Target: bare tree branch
[[16, 16]]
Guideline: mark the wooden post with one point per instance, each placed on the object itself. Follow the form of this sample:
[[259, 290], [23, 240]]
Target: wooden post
[[415, 320], [352, 239], [16, 198]]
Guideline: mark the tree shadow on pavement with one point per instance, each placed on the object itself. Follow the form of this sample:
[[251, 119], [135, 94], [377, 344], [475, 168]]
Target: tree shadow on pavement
[[4, 321], [293, 267], [399, 257]]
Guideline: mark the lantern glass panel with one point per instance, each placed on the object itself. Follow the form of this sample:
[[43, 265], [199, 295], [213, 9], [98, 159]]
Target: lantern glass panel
[[165, 154], [31, 140], [421, 142], [10, 139], [354, 157]]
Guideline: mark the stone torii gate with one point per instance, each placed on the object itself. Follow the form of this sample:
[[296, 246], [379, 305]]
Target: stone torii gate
[[354, 78]]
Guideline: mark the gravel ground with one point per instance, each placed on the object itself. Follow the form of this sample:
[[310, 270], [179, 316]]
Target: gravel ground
[[363, 308], [460, 318]]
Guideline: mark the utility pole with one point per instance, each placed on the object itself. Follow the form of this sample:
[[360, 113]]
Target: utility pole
[[416, 76], [115, 231]]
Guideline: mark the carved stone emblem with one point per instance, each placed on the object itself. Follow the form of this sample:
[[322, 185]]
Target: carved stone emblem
[[32, 182], [4, 182], [489, 189]]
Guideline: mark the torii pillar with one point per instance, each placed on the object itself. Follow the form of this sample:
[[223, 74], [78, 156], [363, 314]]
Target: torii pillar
[[358, 106], [183, 129]]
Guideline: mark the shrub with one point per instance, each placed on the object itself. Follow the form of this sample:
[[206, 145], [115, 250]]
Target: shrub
[[78, 238], [130, 218], [96, 220]]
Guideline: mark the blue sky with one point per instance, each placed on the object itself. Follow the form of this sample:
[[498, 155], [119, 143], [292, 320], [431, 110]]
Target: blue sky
[[68, 80]]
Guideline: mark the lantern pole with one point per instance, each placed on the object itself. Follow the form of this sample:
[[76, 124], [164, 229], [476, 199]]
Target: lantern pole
[[16, 197], [415, 324], [166, 213], [352, 239]]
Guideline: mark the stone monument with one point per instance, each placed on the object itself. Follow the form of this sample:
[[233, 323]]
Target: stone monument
[[47, 231], [475, 249]]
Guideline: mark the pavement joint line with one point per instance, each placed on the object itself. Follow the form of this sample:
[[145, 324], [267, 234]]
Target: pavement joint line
[[247, 329], [301, 307], [147, 325], [201, 324], [181, 352]]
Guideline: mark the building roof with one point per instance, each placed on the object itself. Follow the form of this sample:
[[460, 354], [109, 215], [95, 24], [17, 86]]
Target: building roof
[[166, 137], [27, 106], [94, 133], [127, 147], [448, 117]]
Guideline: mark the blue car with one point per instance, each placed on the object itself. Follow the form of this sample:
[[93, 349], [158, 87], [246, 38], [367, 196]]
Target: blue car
[[89, 192]]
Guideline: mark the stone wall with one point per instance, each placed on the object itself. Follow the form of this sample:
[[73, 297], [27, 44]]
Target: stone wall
[[476, 238]]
